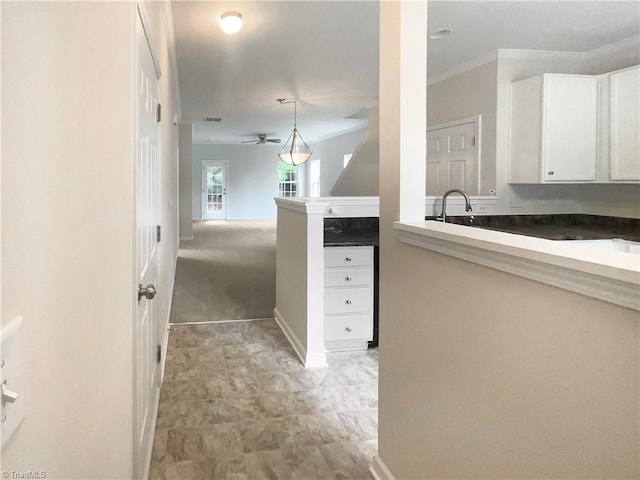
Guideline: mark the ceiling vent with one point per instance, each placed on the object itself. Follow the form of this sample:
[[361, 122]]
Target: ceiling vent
[[212, 119]]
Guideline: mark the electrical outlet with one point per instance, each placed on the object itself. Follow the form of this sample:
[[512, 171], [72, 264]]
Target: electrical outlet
[[481, 208]]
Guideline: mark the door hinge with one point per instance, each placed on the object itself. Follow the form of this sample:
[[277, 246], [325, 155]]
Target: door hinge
[[159, 113], [473, 141], [158, 233], [158, 353]]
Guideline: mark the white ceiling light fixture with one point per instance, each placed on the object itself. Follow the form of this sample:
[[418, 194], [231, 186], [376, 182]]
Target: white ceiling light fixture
[[295, 151], [438, 34], [231, 22]]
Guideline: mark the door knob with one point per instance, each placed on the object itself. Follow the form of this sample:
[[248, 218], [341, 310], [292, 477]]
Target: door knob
[[148, 292]]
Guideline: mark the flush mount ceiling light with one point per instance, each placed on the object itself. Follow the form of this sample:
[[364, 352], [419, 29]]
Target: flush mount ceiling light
[[231, 22], [438, 34], [295, 151]]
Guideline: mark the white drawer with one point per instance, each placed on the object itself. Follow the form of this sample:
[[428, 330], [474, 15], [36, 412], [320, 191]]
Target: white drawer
[[348, 256], [347, 300], [358, 327], [354, 277]]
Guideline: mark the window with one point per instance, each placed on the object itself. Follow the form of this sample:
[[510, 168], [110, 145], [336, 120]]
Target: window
[[346, 159], [287, 180], [314, 179]]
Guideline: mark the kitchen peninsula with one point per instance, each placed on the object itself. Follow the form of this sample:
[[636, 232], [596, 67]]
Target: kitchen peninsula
[[306, 226]]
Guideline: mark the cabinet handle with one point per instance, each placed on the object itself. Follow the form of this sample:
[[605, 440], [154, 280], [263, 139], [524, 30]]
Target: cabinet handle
[[347, 259], [348, 302], [550, 173], [348, 329], [348, 279]]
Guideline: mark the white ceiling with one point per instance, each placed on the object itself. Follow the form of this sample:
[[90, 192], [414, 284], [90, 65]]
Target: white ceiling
[[325, 55]]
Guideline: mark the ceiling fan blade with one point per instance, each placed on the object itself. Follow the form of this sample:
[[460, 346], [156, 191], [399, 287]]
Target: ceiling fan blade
[[274, 140]]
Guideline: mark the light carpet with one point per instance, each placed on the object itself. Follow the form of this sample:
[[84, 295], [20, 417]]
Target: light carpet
[[227, 272]]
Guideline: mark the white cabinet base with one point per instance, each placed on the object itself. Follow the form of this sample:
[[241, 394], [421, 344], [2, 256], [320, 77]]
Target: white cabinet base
[[348, 298]]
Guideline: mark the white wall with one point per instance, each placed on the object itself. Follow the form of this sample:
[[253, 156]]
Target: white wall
[[67, 237], [186, 181], [360, 178], [331, 153], [465, 95], [252, 179]]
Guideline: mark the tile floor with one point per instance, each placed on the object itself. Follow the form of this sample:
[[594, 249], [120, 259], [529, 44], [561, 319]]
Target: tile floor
[[236, 403]]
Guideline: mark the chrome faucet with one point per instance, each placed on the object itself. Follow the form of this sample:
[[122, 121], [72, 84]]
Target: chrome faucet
[[443, 216]]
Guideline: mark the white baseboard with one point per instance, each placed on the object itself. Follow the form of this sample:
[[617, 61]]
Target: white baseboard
[[187, 237], [379, 470], [309, 360]]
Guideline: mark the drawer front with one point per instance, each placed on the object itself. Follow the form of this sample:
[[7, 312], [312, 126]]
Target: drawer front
[[348, 328], [348, 257], [348, 278], [347, 300]]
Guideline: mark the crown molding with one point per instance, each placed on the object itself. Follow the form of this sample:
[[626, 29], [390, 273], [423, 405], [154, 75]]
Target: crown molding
[[613, 48], [524, 54], [463, 67]]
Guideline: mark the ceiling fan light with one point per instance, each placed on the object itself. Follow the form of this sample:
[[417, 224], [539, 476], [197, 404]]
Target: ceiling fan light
[[231, 22]]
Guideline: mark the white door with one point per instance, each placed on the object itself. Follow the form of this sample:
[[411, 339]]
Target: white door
[[146, 382], [452, 160], [214, 190]]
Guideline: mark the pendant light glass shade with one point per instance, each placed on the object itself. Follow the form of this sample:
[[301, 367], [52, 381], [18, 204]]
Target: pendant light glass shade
[[295, 151]]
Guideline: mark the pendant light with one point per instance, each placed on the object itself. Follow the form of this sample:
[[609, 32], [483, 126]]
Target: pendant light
[[295, 151]]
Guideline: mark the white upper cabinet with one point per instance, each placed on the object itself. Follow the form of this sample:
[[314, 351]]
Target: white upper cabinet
[[554, 129], [624, 125]]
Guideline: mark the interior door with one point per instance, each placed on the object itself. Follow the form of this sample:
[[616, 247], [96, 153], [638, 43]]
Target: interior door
[[214, 190], [146, 378], [452, 159]]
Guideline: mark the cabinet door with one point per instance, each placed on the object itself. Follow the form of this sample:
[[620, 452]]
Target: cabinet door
[[624, 127], [570, 128]]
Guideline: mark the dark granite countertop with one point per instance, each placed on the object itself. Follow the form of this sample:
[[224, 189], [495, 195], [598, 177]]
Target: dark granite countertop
[[351, 232], [556, 226]]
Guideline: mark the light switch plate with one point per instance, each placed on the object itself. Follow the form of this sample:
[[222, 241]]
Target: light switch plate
[[11, 371]]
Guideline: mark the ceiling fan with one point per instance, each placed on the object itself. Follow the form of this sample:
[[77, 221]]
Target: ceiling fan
[[262, 138]]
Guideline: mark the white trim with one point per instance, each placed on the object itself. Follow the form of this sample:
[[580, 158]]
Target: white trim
[[173, 59], [464, 67], [609, 276], [309, 360], [148, 33], [152, 437], [187, 237], [613, 48], [524, 54], [208, 322], [379, 470], [302, 204]]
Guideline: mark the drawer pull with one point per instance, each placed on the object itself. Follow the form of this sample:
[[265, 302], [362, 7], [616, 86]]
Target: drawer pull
[[347, 279], [348, 329], [347, 259], [348, 302]]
